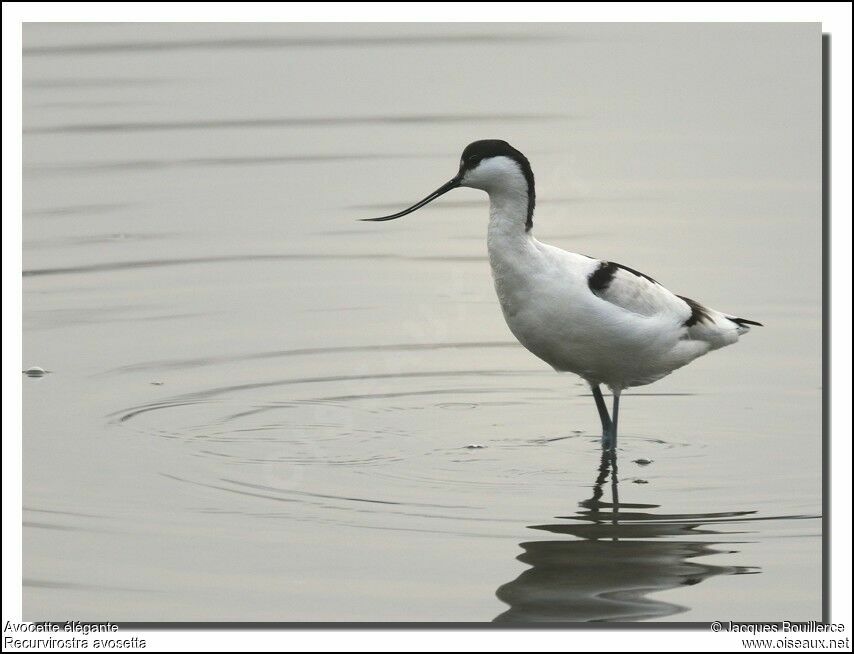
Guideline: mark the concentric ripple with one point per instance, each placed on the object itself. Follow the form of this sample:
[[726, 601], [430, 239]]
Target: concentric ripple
[[467, 447]]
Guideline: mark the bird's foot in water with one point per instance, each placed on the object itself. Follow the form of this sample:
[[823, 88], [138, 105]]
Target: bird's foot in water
[[609, 441]]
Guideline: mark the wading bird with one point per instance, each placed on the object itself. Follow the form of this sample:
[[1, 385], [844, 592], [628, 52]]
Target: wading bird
[[603, 321]]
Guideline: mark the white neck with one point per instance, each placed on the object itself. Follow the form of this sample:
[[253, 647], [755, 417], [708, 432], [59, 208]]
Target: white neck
[[505, 182], [511, 248], [508, 213]]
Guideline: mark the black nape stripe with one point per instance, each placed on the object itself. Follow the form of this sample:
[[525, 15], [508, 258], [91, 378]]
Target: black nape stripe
[[699, 313], [480, 150]]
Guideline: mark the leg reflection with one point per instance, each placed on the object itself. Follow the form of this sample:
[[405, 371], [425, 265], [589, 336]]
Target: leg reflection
[[617, 557], [607, 466]]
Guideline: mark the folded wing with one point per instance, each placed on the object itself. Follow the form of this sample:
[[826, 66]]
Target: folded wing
[[641, 294]]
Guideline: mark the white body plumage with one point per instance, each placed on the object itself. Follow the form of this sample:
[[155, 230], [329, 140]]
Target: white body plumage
[[629, 334]]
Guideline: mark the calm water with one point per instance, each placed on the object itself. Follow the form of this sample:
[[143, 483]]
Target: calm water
[[259, 409]]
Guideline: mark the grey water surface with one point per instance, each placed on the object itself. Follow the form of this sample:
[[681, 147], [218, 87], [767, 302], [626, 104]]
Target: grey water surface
[[256, 408]]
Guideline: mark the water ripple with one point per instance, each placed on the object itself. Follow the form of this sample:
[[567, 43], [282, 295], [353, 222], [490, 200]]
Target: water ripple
[[207, 394], [229, 258], [308, 121], [86, 167], [195, 362], [274, 42], [75, 210]]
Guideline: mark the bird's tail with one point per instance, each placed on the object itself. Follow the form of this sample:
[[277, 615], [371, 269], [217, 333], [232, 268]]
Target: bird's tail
[[743, 324]]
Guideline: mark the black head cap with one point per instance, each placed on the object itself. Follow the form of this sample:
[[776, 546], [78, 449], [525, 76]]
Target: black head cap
[[476, 152]]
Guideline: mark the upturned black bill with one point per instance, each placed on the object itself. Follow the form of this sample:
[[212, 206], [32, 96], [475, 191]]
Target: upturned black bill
[[454, 183]]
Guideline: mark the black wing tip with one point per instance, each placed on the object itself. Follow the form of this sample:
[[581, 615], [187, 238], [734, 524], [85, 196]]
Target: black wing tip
[[699, 313], [745, 321]]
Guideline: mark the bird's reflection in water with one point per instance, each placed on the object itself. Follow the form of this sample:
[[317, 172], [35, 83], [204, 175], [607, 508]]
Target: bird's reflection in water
[[621, 553]]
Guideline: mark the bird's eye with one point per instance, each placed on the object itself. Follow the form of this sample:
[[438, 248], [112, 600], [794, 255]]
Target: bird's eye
[[473, 159]]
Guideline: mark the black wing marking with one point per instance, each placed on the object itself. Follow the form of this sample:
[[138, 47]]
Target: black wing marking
[[699, 313], [634, 291], [601, 278]]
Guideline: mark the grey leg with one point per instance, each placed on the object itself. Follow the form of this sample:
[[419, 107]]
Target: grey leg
[[603, 415]]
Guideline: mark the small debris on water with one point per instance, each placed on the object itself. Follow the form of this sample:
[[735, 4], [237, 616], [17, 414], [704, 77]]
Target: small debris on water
[[475, 446], [639, 481], [458, 406], [35, 371], [642, 462], [577, 431], [157, 383]]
